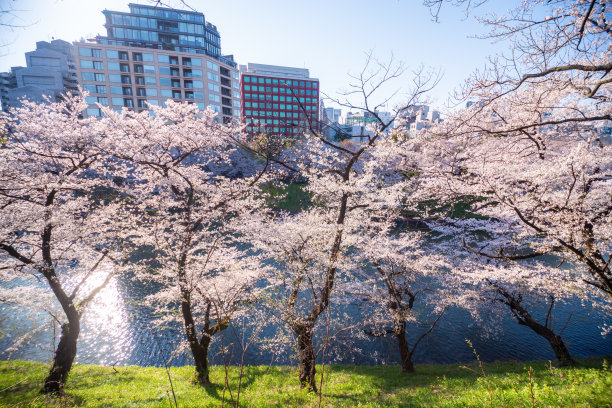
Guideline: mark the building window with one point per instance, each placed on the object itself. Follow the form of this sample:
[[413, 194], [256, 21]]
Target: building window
[[101, 89], [126, 90], [128, 103], [136, 56], [213, 76], [125, 79], [164, 59], [141, 92], [123, 55], [113, 66], [124, 67], [176, 94], [90, 52], [139, 69], [151, 92]]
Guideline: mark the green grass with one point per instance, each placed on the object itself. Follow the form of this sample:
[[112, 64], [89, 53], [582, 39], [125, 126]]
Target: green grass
[[589, 385]]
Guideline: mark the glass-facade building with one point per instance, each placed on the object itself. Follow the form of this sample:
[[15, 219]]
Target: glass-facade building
[[278, 100], [153, 54]]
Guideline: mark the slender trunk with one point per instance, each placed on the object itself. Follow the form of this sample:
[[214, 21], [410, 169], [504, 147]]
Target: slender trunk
[[201, 363], [307, 358], [199, 350], [404, 350], [524, 318], [555, 341], [64, 357]]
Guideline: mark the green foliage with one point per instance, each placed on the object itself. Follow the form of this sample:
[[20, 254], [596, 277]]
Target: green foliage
[[289, 197], [589, 385], [461, 208]]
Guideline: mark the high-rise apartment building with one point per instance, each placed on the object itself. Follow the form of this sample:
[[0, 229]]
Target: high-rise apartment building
[[278, 100], [152, 54], [50, 71]]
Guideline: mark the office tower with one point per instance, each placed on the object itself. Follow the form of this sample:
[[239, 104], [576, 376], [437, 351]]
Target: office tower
[[50, 71], [152, 54], [279, 100]]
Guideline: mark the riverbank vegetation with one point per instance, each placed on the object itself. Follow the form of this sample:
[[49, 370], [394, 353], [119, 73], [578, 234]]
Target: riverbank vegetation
[[505, 384]]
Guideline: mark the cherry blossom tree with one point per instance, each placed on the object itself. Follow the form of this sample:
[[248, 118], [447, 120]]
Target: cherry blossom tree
[[185, 207], [61, 238], [404, 274], [529, 154], [311, 250]]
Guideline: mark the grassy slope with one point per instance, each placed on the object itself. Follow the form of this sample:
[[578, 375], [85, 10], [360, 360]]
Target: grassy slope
[[590, 385]]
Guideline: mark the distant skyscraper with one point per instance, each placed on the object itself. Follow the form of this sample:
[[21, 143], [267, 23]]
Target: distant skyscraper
[[154, 53], [50, 72], [279, 100]]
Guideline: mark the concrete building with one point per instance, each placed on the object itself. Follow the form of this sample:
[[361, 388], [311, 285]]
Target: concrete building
[[152, 54], [330, 118], [279, 100], [50, 71], [332, 114], [8, 81], [417, 118]]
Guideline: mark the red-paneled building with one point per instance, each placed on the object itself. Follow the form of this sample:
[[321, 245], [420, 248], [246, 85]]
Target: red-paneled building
[[278, 100]]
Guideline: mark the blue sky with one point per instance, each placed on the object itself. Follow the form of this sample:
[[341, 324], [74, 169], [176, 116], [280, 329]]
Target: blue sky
[[330, 38]]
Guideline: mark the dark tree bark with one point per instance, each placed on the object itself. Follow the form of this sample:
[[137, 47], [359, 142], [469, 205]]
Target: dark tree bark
[[404, 350], [67, 346], [524, 318], [307, 358], [63, 358]]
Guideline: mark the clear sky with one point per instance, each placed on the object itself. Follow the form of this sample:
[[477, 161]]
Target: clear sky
[[329, 37]]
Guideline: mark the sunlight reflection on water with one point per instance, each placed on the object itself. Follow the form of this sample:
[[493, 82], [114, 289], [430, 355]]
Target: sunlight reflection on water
[[105, 333]]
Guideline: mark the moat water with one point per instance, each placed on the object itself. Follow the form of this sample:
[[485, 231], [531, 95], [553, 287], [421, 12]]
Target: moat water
[[117, 330]]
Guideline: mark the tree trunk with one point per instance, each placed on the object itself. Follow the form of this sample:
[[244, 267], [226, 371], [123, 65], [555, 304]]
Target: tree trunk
[[202, 370], [64, 357], [199, 350], [404, 350], [556, 342], [561, 351], [307, 358]]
